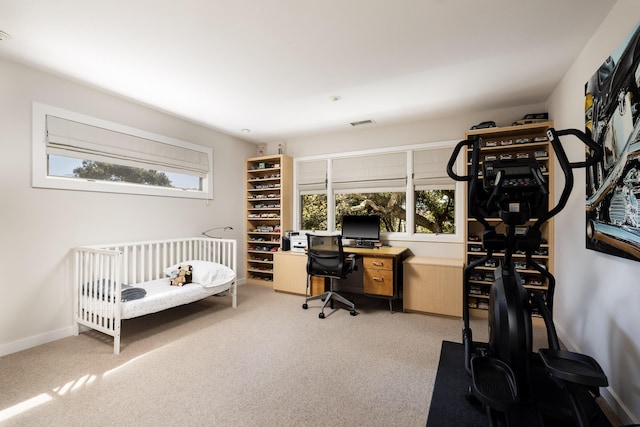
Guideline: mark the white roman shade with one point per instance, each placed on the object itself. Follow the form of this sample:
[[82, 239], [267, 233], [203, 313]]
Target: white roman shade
[[387, 170], [312, 176], [430, 169], [78, 140]]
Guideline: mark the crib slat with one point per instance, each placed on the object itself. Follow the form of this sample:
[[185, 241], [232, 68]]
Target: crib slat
[[151, 264]]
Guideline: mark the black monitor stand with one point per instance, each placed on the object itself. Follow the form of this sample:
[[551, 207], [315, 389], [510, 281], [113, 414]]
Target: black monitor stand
[[363, 244]]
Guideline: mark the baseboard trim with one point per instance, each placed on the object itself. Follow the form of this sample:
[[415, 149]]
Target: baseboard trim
[[608, 393], [34, 341]]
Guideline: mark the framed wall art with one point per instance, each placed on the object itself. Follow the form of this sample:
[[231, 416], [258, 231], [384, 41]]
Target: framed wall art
[[612, 109]]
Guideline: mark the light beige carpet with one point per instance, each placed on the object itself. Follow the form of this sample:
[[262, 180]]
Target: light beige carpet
[[266, 363]]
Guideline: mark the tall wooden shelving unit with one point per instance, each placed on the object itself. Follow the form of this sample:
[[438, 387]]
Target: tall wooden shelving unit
[[268, 214], [525, 140]]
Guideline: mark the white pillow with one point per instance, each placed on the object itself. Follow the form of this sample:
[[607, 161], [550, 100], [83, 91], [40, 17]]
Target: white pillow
[[205, 273]]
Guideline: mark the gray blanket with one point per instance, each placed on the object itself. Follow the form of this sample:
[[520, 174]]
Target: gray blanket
[[128, 293]]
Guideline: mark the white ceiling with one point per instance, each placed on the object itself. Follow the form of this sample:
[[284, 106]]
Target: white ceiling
[[273, 66]]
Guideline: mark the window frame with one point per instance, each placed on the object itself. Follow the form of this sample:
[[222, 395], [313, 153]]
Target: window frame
[[410, 235], [41, 178]]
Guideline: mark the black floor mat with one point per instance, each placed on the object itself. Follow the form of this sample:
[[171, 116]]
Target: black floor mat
[[450, 406]]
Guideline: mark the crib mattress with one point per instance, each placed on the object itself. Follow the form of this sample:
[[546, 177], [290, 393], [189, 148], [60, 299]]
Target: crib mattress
[[161, 296]]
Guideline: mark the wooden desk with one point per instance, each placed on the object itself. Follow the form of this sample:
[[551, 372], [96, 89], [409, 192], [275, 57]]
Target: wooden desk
[[290, 274], [379, 274], [382, 269], [433, 285]]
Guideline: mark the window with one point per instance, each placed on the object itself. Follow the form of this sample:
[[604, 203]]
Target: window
[[434, 192], [313, 209], [70, 167], [73, 151], [312, 186], [372, 184], [408, 188], [435, 211]]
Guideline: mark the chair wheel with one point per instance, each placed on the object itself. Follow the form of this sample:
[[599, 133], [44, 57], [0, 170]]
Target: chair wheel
[[353, 312], [305, 306], [321, 315]]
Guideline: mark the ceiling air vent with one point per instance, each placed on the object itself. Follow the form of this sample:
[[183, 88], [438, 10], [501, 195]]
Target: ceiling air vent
[[362, 123]]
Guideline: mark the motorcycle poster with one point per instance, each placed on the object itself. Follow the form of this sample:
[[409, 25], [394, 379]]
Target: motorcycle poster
[[612, 109]]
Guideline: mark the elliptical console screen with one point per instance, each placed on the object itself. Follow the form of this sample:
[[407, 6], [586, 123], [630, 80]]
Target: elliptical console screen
[[515, 180], [514, 174]]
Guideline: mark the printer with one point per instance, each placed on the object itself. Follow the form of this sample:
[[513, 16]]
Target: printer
[[298, 241]]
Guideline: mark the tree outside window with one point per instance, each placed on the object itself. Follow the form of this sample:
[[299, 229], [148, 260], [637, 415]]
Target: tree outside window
[[435, 211], [381, 179], [313, 212], [101, 171], [389, 206]]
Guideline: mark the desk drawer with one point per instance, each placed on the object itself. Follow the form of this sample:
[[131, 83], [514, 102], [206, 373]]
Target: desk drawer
[[377, 263], [378, 282]]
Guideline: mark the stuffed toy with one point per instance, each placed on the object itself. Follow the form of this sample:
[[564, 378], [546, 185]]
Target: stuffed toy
[[183, 276]]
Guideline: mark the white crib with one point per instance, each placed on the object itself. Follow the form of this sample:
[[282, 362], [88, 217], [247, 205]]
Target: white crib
[[101, 270]]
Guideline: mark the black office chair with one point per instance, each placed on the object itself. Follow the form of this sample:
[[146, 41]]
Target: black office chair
[[325, 258]]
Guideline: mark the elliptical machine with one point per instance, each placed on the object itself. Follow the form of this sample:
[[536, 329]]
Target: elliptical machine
[[519, 387]]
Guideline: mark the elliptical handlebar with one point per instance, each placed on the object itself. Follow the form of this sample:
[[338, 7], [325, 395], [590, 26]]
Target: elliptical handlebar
[[454, 157], [567, 167], [553, 135], [597, 153], [475, 142]]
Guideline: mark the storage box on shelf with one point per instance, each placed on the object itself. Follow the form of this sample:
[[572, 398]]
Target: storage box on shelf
[[525, 141], [269, 189]]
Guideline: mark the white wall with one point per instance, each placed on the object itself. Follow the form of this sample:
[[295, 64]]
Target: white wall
[[597, 308], [40, 226], [382, 136]]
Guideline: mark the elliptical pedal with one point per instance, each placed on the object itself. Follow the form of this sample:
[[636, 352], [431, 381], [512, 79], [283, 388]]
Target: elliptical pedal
[[494, 383], [575, 368], [575, 373]]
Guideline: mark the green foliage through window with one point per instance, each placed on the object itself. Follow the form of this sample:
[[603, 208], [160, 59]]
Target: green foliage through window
[[111, 172], [100, 171], [390, 207], [435, 211], [314, 211]]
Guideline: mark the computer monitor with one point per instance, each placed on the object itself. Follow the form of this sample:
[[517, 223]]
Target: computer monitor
[[361, 228]]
